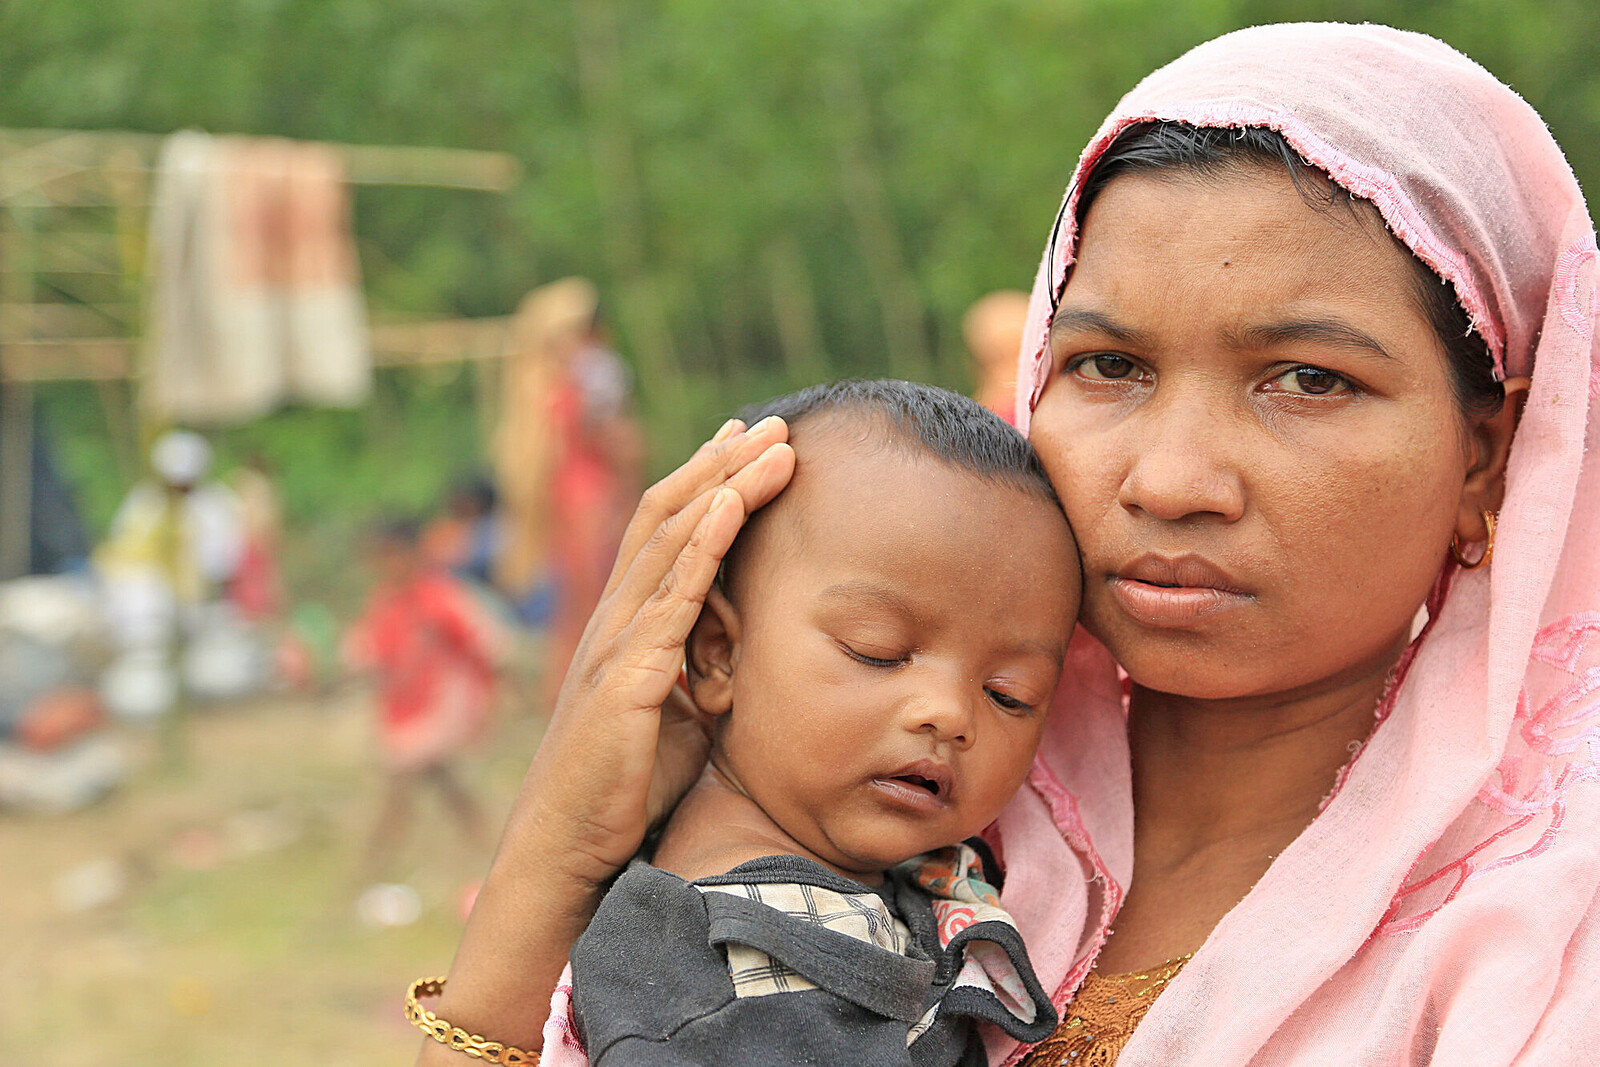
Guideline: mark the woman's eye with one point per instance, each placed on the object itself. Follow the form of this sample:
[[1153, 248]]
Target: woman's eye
[[1010, 703], [1105, 367], [1311, 381], [872, 661]]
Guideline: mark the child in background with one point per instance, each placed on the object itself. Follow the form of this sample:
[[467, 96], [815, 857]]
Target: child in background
[[877, 657], [992, 329], [433, 651], [466, 538]]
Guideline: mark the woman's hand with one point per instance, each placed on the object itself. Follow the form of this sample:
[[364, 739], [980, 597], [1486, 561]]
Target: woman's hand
[[614, 759], [623, 742]]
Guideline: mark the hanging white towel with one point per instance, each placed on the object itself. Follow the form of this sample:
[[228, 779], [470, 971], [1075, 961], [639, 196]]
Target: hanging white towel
[[255, 296]]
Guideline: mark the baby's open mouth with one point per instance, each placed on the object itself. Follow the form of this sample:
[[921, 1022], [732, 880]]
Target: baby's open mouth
[[919, 781], [923, 783]]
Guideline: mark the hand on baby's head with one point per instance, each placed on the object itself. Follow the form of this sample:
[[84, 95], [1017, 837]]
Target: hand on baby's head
[[882, 645]]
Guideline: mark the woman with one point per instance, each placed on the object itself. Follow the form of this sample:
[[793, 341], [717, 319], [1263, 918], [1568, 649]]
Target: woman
[[1366, 832], [567, 457]]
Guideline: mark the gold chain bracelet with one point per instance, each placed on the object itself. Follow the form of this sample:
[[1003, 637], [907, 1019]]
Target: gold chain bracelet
[[475, 1045]]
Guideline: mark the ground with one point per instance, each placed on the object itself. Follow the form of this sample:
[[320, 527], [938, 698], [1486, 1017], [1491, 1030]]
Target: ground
[[232, 935]]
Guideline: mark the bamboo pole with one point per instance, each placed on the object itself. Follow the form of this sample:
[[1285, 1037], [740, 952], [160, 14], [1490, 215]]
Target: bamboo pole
[[132, 433], [16, 479], [16, 411], [30, 158]]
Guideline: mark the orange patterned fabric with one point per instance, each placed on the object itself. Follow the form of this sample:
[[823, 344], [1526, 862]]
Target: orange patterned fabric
[[1101, 1017]]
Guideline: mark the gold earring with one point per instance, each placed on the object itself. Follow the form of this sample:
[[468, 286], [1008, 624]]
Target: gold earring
[[1488, 549]]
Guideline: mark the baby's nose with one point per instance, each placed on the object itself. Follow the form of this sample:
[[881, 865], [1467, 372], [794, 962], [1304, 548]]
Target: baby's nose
[[947, 718]]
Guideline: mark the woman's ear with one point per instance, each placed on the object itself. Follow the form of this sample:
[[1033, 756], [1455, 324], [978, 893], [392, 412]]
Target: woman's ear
[[713, 653], [1485, 487]]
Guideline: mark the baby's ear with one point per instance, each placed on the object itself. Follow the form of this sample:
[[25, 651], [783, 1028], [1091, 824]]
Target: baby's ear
[[713, 653]]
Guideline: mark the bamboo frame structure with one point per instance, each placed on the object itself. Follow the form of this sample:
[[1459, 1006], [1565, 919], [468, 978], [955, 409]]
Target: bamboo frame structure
[[73, 207]]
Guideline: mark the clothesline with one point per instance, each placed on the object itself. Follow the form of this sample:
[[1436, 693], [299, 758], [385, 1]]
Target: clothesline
[[87, 338], [32, 159]]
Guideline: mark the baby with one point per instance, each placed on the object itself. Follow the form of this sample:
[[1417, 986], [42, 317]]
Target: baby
[[877, 657]]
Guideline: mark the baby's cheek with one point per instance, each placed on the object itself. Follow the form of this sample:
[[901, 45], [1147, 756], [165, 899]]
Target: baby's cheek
[[1006, 774]]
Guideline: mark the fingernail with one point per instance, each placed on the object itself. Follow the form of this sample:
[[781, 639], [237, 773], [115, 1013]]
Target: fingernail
[[721, 500], [765, 424], [727, 431]]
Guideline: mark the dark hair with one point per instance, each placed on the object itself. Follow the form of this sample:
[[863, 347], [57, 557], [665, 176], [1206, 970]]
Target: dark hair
[[920, 418], [402, 531], [477, 489], [948, 426], [1206, 150]]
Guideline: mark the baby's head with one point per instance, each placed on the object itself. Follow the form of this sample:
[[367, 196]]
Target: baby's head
[[882, 644]]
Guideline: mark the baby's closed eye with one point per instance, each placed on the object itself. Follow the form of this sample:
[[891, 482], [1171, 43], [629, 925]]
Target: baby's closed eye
[[874, 654]]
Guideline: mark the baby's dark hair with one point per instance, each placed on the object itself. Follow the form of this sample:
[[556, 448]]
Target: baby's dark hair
[[922, 418]]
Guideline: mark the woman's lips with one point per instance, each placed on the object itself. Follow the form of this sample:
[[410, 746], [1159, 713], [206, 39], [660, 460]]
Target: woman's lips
[[1175, 592]]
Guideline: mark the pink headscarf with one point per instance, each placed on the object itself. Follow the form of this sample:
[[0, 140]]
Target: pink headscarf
[[1443, 906]]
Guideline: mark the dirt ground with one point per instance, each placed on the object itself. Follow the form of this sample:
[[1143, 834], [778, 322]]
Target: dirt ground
[[231, 933]]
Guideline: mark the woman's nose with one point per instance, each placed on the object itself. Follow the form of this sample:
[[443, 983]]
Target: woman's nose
[[1181, 464]]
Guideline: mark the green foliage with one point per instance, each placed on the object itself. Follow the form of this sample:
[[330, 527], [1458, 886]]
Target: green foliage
[[767, 192]]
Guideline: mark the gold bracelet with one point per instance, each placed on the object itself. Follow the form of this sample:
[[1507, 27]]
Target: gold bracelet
[[475, 1045]]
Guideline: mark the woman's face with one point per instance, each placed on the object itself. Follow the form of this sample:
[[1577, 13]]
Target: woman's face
[[1251, 426]]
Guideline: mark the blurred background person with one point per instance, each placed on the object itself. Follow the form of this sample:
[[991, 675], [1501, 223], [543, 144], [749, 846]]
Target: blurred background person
[[992, 329], [465, 538], [432, 651], [181, 525], [56, 539], [174, 547], [256, 586], [568, 459]]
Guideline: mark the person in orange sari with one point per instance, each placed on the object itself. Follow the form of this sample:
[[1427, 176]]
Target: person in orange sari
[[567, 458]]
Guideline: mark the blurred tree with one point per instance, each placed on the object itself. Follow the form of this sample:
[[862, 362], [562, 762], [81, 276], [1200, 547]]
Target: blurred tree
[[767, 192]]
